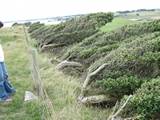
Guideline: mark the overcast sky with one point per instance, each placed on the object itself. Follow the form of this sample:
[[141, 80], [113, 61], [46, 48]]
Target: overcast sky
[[28, 9]]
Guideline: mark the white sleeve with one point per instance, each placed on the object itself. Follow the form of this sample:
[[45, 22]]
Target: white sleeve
[[1, 54]]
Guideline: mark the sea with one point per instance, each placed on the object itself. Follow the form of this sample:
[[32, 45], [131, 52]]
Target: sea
[[45, 21]]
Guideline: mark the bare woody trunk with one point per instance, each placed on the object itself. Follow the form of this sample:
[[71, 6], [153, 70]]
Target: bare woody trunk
[[88, 79], [66, 63]]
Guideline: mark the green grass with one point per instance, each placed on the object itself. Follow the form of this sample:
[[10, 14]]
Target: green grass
[[116, 23], [16, 58]]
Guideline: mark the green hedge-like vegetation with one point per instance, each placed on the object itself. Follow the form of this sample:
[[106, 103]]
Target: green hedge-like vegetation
[[132, 55], [34, 26], [70, 32], [145, 102], [123, 85], [101, 44]]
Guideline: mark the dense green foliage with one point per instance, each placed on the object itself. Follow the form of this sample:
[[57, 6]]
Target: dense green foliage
[[70, 32], [34, 26], [100, 44], [123, 85], [131, 54], [145, 102], [134, 62]]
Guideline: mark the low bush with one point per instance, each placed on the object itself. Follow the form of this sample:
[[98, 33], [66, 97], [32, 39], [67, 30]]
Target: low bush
[[123, 85], [34, 26], [103, 43], [145, 102], [131, 56]]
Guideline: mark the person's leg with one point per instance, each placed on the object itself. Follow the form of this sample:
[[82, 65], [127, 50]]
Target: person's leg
[[3, 93], [1, 72], [8, 87], [5, 73]]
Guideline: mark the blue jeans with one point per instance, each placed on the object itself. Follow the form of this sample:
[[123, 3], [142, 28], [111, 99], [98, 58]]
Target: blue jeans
[[6, 88]]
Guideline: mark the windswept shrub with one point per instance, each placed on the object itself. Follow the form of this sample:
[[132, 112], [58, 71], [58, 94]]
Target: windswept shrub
[[103, 43], [35, 26], [128, 66], [16, 24], [145, 102], [132, 57], [70, 32], [27, 24], [129, 58], [123, 85]]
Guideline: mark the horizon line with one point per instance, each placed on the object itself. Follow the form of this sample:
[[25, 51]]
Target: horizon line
[[43, 18]]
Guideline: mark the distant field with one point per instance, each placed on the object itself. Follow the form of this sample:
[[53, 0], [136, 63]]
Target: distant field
[[142, 15], [116, 23], [130, 18]]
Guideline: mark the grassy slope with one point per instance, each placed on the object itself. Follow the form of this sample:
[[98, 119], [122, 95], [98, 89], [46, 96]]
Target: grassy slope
[[67, 87], [61, 89], [116, 23], [17, 63]]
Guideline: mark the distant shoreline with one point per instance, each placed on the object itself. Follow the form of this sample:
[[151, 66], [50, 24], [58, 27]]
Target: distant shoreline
[[59, 19]]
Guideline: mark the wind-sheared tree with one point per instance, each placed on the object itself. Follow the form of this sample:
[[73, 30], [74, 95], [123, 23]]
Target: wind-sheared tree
[[115, 64], [70, 32]]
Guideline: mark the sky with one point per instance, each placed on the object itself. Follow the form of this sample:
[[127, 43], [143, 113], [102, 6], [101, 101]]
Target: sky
[[30, 9]]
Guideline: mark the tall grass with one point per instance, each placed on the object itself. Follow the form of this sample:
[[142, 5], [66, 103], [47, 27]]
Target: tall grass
[[63, 91]]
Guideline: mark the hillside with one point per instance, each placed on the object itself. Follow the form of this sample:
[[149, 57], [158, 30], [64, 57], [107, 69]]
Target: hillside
[[112, 64], [62, 94]]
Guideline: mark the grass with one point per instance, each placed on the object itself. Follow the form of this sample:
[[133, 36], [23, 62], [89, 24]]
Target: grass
[[63, 91], [116, 23], [16, 58]]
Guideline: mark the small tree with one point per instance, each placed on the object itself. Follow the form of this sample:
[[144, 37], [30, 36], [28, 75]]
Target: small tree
[[1, 24], [138, 14], [27, 24]]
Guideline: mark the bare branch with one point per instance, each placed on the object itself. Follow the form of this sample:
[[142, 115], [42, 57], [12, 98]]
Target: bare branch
[[51, 46], [88, 78], [66, 63], [112, 116], [94, 99], [132, 118]]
